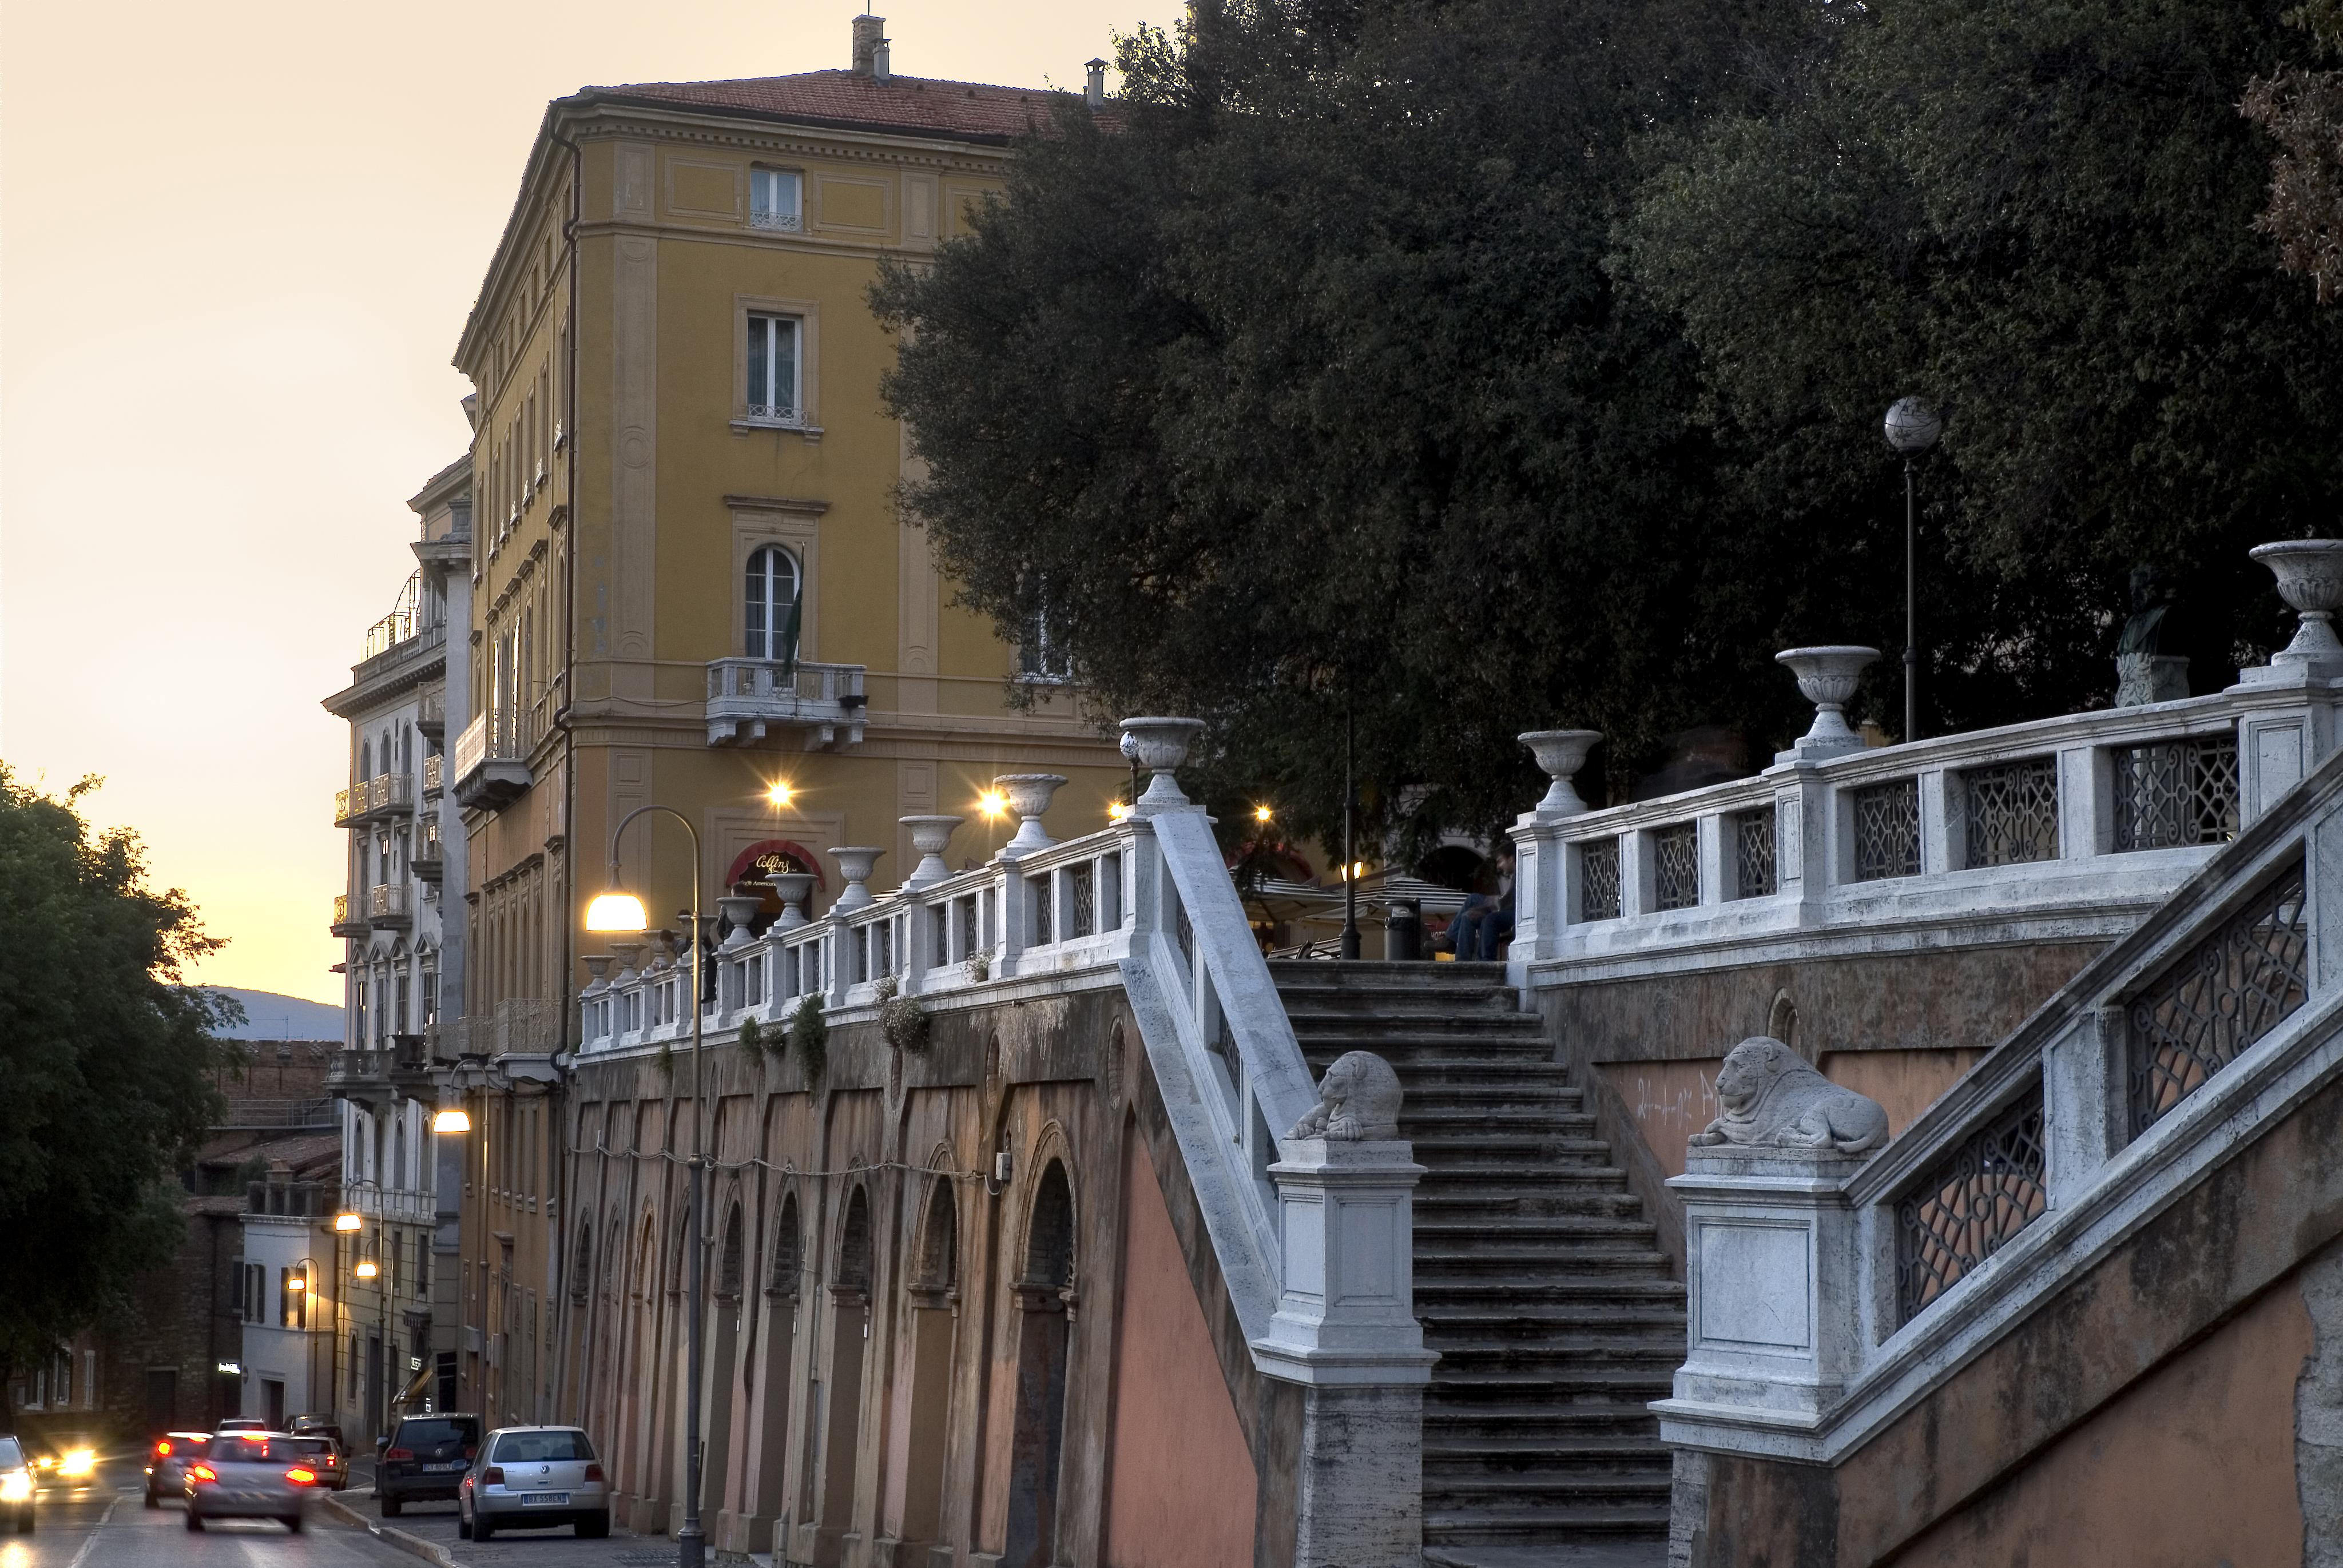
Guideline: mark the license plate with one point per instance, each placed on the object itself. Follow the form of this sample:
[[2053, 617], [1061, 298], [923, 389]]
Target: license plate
[[456, 1464], [543, 1499]]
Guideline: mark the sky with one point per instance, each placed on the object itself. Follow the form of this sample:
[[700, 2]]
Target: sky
[[236, 243]]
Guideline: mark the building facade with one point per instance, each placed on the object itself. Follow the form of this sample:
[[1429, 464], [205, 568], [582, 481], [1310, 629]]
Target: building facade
[[404, 919], [692, 584]]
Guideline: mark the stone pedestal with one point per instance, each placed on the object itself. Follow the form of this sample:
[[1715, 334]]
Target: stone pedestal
[[1345, 1328], [1772, 1283]]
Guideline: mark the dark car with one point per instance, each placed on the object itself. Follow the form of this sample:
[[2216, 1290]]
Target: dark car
[[424, 1460], [168, 1461], [252, 1476], [319, 1426]]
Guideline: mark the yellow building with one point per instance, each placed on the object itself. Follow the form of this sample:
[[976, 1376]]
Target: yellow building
[[679, 459]]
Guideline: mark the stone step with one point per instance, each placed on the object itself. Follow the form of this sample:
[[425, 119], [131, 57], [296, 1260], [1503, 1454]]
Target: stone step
[[1527, 1180], [1535, 1423], [1556, 1231], [1457, 1528], [1543, 1294], [1593, 1259], [1451, 1206], [1460, 1456], [1561, 1486], [1571, 1355], [1483, 1099], [1624, 1390], [1488, 1324], [1451, 1150], [1513, 1118]]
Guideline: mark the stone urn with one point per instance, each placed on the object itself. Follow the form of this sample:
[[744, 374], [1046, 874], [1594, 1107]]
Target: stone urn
[[2309, 574], [664, 945], [793, 887], [597, 971], [739, 910], [1159, 746], [1028, 794], [854, 863], [1562, 753], [930, 834], [630, 962], [1826, 677]]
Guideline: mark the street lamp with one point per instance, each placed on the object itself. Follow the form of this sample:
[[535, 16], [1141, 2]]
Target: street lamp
[[1912, 427], [368, 1269], [615, 912]]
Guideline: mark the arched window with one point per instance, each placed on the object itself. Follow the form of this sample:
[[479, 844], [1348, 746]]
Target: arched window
[[730, 1260], [783, 1281], [366, 760], [772, 604]]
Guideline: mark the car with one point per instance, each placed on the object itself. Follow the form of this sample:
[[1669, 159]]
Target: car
[[534, 1478], [253, 1475], [423, 1460], [319, 1426], [240, 1423], [324, 1457], [16, 1486], [167, 1464]]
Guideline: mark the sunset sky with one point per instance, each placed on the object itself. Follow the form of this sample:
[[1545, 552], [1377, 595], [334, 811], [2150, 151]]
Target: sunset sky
[[236, 243]]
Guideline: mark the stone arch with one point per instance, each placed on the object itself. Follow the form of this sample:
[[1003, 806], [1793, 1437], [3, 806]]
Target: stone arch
[[849, 1320], [581, 1261], [932, 1273], [936, 1265], [789, 1250], [731, 1256], [851, 1259], [784, 1274], [1044, 1294]]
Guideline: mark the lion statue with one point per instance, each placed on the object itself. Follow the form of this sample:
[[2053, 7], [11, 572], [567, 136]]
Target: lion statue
[[1773, 1100], [1358, 1100]]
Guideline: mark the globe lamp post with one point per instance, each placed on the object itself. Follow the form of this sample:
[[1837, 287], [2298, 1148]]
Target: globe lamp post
[[1912, 427]]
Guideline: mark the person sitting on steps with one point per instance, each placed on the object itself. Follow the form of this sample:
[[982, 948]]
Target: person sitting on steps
[[1486, 918]]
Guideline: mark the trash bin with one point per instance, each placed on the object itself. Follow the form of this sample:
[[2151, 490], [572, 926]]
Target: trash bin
[[1404, 932]]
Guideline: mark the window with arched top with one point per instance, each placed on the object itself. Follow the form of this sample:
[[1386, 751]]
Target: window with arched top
[[853, 1272], [938, 1266], [730, 1262], [772, 603], [1050, 1236], [787, 1250], [366, 760], [582, 1270]]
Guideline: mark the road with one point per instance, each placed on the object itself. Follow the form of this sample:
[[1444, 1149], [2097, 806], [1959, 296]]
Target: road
[[102, 1525]]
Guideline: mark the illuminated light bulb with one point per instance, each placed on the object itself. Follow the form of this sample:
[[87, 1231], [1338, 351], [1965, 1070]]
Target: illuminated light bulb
[[993, 802], [1262, 813], [779, 792], [1118, 812]]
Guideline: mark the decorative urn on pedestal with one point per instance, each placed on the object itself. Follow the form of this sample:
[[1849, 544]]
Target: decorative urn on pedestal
[[1827, 677], [1562, 753], [1028, 794], [929, 837], [739, 910], [1159, 746], [598, 970], [792, 888], [2309, 574], [854, 864]]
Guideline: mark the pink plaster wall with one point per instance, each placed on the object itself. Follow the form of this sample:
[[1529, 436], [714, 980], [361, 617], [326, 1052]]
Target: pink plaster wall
[[1181, 1491], [1670, 1101], [2194, 1464]]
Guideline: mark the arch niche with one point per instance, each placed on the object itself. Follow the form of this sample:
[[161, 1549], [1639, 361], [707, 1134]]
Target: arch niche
[[723, 1340], [850, 1328], [782, 1289], [1044, 1296], [933, 1297]]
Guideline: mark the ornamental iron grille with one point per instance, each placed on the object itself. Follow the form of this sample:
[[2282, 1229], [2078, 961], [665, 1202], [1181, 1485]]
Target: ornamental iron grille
[[2012, 812], [1752, 853], [1045, 925], [1083, 889], [1969, 1206], [1598, 880], [966, 908], [2224, 994], [2176, 792], [1888, 831], [1675, 857]]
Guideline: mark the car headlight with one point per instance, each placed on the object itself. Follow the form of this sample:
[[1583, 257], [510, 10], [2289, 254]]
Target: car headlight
[[80, 1461], [15, 1487]]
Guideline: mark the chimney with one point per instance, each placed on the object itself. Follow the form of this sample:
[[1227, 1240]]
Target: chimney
[[1094, 83], [882, 64], [869, 36]]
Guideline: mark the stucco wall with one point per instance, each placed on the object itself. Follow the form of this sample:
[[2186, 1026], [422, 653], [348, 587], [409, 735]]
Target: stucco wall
[[1181, 1490], [2193, 1464]]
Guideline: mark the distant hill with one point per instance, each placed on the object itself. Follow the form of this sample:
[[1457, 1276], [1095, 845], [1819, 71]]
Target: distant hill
[[269, 1016]]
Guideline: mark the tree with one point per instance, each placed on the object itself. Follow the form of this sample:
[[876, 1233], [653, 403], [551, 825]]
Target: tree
[[2303, 111], [109, 1066], [2041, 216]]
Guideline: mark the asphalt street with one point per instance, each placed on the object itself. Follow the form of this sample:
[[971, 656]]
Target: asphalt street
[[102, 1525]]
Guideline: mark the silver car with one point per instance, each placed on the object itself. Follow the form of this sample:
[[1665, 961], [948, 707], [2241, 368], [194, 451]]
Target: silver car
[[533, 1478], [166, 1468], [253, 1475]]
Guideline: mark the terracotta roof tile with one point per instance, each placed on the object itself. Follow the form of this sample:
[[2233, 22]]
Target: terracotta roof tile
[[844, 97]]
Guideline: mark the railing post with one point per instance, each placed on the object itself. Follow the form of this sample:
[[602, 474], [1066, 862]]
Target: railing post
[[2083, 1101], [1804, 834], [2087, 802], [1013, 917], [1715, 862], [1636, 889], [1942, 830]]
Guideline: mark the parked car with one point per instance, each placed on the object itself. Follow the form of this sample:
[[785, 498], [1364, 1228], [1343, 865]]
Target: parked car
[[166, 1464], [423, 1460], [240, 1423], [253, 1475], [16, 1486], [534, 1478], [319, 1426]]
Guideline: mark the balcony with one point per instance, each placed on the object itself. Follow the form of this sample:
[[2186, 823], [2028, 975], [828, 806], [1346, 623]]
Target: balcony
[[371, 1073], [349, 806], [431, 715], [390, 795], [435, 770], [428, 863], [387, 907], [344, 925], [492, 758], [749, 698]]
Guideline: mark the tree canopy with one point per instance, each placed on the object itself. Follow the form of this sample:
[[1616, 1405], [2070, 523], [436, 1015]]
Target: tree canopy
[[1448, 369], [109, 1066]]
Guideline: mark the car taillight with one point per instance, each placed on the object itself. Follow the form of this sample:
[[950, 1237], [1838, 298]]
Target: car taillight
[[593, 1472], [162, 1447], [494, 1475], [203, 1473], [399, 1454], [301, 1475], [471, 1453]]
